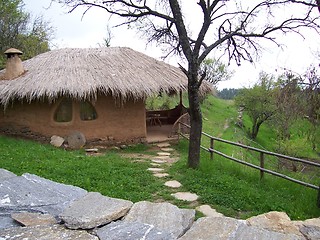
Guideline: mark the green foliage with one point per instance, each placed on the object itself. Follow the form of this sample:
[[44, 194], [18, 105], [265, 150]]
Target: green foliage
[[164, 102], [214, 71], [258, 102], [228, 93], [18, 30]]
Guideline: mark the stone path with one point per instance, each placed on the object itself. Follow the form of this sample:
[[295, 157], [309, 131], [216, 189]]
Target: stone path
[[166, 154]]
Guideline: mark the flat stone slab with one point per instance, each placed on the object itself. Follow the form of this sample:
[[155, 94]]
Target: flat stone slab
[[185, 196], [173, 184], [94, 210], [54, 232], [167, 149], [34, 194], [163, 145], [161, 175], [163, 154], [5, 174], [164, 216], [158, 161], [33, 219], [155, 164], [161, 158], [91, 150], [155, 169], [208, 211], [132, 230]]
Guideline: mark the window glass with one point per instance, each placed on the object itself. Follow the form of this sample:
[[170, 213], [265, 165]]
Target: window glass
[[64, 111], [87, 111]]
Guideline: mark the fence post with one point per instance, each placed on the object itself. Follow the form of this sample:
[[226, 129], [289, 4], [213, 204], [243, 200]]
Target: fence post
[[211, 147], [261, 165], [318, 201]]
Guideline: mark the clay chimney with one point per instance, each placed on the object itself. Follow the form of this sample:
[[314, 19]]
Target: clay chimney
[[14, 67]]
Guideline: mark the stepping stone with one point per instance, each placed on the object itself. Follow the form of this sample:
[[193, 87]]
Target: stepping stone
[[158, 161], [167, 149], [172, 184], [161, 175], [155, 164], [185, 196], [163, 145], [91, 150], [155, 169], [162, 157], [163, 154], [208, 211]]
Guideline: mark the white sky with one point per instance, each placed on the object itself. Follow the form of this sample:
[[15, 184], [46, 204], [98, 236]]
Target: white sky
[[71, 30]]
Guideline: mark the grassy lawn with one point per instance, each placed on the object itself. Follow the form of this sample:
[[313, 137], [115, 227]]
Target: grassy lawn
[[236, 190], [232, 189], [109, 174]]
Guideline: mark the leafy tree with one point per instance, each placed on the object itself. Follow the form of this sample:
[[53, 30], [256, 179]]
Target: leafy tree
[[311, 94], [288, 101], [214, 71], [258, 102], [18, 30], [228, 93], [236, 27]]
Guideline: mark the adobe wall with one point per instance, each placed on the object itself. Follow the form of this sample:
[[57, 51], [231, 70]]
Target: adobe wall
[[116, 122]]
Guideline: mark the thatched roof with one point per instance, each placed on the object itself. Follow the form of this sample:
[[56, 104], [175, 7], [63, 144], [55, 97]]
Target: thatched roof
[[83, 73]]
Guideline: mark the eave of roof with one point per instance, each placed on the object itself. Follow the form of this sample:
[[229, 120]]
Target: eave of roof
[[85, 72]]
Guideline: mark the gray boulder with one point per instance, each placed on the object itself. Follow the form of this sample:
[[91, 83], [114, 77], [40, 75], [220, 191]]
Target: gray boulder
[[224, 228], [164, 216], [94, 210], [76, 140], [310, 232], [34, 194], [213, 228], [5, 174], [132, 230]]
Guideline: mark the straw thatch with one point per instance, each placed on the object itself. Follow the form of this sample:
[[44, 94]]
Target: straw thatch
[[83, 73]]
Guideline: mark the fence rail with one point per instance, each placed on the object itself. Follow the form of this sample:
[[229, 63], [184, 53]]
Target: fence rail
[[262, 152]]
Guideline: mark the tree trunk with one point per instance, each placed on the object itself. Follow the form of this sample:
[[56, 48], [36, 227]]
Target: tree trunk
[[255, 129], [196, 124]]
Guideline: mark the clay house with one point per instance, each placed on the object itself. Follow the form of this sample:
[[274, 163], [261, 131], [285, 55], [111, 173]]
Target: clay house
[[100, 92]]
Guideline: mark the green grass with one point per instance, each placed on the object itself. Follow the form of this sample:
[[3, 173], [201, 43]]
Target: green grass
[[236, 190], [109, 174]]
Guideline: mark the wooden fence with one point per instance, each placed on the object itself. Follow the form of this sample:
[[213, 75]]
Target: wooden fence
[[263, 153]]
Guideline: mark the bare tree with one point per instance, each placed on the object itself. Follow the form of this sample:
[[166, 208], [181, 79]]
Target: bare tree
[[235, 26]]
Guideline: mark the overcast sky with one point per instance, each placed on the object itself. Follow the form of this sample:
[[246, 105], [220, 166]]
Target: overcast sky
[[71, 30]]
